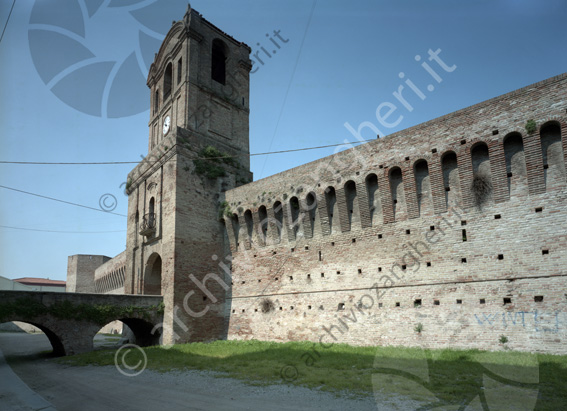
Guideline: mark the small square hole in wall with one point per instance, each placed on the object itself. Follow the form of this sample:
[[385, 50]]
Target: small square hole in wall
[[291, 308], [243, 310], [407, 158], [544, 252], [359, 271], [395, 201], [308, 307], [482, 301], [447, 188], [380, 305], [243, 282], [434, 150], [459, 301], [379, 269], [354, 240], [281, 308], [539, 209], [292, 250], [463, 260], [538, 298], [321, 307], [291, 278], [509, 175], [428, 264], [341, 306], [380, 166], [204, 298], [436, 302], [507, 300], [397, 304], [432, 228], [274, 252], [463, 222], [358, 173], [500, 256], [545, 166], [497, 217], [276, 278], [494, 132], [379, 235], [322, 275], [338, 272], [417, 303], [404, 267], [408, 231], [333, 244], [233, 311], [464, 234], [255, 256], [306, 248], [463, 142], [309, 276], [255, 310], [259, 281]]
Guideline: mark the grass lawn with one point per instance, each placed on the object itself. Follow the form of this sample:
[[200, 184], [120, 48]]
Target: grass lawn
[[499, 380]]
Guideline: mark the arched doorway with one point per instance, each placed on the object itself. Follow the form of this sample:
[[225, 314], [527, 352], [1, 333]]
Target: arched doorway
[[152, 276]]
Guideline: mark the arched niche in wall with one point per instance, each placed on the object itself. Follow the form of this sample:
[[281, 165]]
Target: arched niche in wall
[[311, 210], [397, 191], [263, 224], [552, 152], [353, 211], [235, 225], [167, 81], [481, 187], [295, 217], [249, 225], [451, 180], [516, 170], [374, 200], [331, 201], [278, 215], [152, 275], [423, 187]]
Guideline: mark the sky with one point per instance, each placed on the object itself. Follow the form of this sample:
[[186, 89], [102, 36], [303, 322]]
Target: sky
[[72, 89]]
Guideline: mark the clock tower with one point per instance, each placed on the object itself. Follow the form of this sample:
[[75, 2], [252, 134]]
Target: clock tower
[[198, 148]]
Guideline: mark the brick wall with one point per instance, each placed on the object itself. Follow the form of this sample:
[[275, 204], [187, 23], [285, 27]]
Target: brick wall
[[407, 229]]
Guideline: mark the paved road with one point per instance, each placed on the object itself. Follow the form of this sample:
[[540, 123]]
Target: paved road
[[104, 388]]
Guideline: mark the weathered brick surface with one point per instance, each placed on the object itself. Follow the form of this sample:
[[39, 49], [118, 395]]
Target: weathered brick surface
[[520, 255]]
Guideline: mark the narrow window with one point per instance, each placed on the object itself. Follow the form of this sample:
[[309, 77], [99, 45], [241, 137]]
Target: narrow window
[[167, 79], [179, 70], [218, 62]]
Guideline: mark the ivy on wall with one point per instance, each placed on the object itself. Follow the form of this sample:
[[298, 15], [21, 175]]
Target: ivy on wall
[[29, 308]]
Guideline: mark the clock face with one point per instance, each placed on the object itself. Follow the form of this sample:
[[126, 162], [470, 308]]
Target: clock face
[[166, 124]]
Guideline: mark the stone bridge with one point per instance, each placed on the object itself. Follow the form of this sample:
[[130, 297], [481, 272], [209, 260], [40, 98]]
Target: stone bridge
[[71, 320]]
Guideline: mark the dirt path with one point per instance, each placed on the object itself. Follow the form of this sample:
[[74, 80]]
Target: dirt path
[[104, 388]]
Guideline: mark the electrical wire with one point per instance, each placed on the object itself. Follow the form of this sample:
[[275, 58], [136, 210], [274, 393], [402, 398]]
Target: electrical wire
[[61, 201], [65, 232], [204, 158], [7, 20]]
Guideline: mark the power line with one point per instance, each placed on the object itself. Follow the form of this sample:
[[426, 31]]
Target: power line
[[66, 232], [61, 201], [204, 158], [7, 20]]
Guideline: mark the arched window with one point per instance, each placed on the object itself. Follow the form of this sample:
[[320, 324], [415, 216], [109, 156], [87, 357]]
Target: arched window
[[451, 179], [516, 169], [374, 201], [179, 70], [294, 212], [167, 79], [152, 277], [552, 152], [218, 61]]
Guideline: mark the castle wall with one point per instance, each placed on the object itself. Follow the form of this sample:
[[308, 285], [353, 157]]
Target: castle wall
[[391, 233], [81, 272], [109, 277]]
